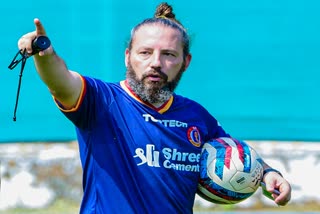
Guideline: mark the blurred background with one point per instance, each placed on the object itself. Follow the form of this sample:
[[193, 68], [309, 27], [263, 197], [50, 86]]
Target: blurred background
[[255, 67]]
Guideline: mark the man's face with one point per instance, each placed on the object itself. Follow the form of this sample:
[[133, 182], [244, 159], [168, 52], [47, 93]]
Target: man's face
[[155, 63]]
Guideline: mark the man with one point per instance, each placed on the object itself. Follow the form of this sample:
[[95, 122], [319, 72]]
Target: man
[[139, 142]]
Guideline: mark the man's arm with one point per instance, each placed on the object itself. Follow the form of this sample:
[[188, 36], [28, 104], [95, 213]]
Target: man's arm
[[63, 84]]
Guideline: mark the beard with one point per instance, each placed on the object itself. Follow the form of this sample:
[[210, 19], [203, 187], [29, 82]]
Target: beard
[[153, 91]]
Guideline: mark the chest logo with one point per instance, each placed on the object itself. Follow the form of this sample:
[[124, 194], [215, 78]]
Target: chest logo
[[194, 137]]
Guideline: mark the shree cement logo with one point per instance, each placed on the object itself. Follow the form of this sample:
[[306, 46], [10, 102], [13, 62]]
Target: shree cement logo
[[174, 159]]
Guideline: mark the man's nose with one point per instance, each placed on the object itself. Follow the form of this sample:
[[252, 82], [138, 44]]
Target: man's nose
[[156, 60]]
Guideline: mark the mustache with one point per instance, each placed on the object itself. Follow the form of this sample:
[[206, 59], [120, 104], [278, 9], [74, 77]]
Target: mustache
[[157, 73]]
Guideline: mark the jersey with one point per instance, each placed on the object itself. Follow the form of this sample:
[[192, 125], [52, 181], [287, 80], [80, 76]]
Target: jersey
[[137, 158]]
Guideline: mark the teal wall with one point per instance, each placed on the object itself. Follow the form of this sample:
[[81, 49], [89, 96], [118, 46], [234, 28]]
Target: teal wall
[[255, 66]]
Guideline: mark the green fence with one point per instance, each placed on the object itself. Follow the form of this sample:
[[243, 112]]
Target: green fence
[[255, 64]]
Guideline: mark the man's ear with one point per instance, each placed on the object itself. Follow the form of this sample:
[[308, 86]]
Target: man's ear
[[187, 61], [127, 55]]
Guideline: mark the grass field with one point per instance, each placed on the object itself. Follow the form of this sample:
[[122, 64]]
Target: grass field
[[68, 207], [60, 206]]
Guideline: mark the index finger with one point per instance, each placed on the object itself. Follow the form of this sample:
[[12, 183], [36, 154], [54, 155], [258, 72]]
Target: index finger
[[39, 28]]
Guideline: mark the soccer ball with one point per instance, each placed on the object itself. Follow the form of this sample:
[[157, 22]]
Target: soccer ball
[[230, 171]]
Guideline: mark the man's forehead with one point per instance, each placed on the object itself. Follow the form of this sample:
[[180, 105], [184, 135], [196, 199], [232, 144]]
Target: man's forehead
[[151, 28], [157, 33]]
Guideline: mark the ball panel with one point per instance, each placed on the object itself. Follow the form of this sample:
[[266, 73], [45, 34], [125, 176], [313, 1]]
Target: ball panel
[[241, 180], [205, 194], [221, 195]]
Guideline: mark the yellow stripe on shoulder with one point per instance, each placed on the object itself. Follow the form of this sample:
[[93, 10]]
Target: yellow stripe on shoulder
[[80, 99]]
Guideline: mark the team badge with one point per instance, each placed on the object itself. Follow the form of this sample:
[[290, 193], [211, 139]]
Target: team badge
[[194, 136]]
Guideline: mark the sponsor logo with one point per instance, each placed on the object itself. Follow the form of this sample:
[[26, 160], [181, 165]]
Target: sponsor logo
[[173, 159], [193, 133], [166, 123]]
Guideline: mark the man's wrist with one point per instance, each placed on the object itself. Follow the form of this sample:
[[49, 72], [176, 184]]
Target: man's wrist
[[266, 171]]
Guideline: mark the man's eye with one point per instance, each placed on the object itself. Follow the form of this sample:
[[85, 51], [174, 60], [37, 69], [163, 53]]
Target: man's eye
[[144, 52], [169, 54]]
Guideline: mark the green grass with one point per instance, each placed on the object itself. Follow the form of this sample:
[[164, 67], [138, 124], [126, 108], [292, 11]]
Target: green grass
[[58, 207], [303, 207], [69, 207]]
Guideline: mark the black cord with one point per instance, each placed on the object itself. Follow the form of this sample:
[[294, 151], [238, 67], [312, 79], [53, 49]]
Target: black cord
[[12, 65]]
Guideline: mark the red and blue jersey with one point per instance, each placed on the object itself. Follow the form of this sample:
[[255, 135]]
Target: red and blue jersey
[[137, 158]]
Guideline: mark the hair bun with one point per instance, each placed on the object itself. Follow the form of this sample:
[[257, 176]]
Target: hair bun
[[164, 10]]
